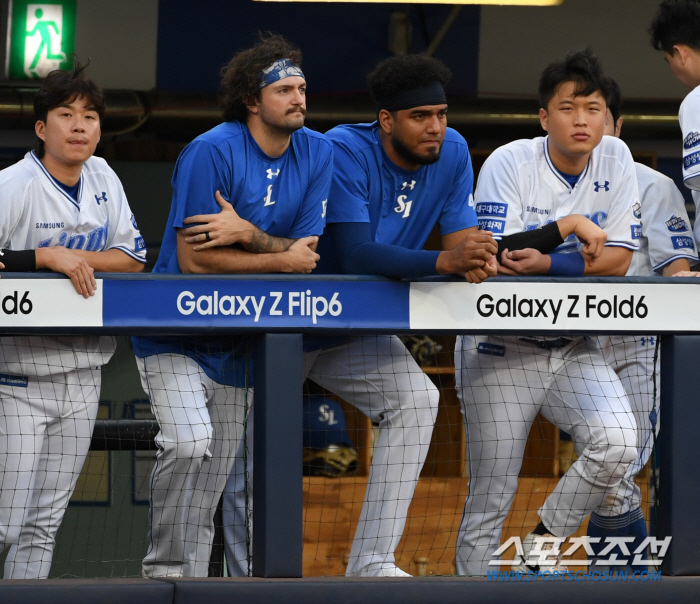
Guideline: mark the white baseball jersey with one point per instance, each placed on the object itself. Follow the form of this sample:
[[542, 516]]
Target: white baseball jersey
[[519, 189], [36, 212], [663, 231], [689, 118]]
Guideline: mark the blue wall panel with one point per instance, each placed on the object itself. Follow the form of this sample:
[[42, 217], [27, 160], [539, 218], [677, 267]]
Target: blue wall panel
[[341, 42]]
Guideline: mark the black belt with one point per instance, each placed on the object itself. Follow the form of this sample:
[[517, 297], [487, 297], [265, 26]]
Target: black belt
[[547, 344]]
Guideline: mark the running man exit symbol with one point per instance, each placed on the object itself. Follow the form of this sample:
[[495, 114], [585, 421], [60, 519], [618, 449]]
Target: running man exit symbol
[[43, 36]]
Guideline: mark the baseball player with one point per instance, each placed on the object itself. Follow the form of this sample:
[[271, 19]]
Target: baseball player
[[392, 181], [276, 174], [666, 247], [504, 382], [66, 211], [676, 31]]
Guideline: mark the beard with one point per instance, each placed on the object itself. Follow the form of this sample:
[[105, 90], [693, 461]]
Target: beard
[[286, 125], [430, 157]]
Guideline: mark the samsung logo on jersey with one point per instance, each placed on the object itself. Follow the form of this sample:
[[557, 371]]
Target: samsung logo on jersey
[[690, 160], [50, 225], [692, 140], [676, 224], [491, 209], [18, 381], [534, 210], [488, 224], [682, 242], [492, 349], [636, 231]]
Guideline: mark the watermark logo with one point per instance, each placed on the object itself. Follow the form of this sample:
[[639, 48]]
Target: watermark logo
[[616, 552]]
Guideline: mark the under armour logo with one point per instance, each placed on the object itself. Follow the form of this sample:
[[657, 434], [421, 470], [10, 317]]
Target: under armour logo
[[270, 173], [598, 187], [103, 197], [410, 185]]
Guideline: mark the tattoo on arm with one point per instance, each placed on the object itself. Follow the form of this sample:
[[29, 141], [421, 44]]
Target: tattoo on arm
[[262, 243]]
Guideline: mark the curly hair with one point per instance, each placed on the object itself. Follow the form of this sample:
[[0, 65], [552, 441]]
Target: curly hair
[[61, 87], [405, 72], [240, 81], [676, 22], [579, 66]]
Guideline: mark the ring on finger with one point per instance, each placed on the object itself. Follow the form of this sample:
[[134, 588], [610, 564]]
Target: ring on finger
[[207, 236]]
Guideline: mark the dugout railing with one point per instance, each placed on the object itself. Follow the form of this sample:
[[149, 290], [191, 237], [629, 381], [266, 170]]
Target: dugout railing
[[289, 306]]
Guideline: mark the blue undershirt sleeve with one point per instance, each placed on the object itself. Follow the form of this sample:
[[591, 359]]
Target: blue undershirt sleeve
[[359, 255]]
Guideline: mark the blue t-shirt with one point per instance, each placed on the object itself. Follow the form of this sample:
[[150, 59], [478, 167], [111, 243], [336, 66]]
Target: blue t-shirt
[[402, 206], [284, 196]]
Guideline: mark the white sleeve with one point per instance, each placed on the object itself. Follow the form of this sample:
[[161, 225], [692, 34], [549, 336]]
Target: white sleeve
[[620, 221], [124, 234], [665, 222], [12, 206], [689, 118], [498, 196]]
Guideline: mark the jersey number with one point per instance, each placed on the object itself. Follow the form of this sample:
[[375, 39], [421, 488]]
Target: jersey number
[[404, 206]]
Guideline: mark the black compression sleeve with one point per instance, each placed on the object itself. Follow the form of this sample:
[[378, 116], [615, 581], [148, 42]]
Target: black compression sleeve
[[544, 240], [21, 261]]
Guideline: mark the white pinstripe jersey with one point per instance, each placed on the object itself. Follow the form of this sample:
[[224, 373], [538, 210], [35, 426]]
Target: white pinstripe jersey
[[665, 228], [36, 212], [519, 189]]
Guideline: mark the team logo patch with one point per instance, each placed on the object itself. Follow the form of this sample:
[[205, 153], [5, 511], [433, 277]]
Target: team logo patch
[[488, 224], [18, 381], [139, 244], [677, 225], [491, 208], [492, 349], [133, 221], [605, 186], [690, 161], [692, 140], [637, 210], [681, 242], [636, 231]]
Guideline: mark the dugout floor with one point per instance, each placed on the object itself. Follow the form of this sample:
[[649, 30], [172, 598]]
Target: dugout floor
[[332, 507]]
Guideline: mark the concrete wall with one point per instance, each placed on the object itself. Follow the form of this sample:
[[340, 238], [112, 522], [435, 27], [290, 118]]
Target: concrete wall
[[516, 43], [120, 38]]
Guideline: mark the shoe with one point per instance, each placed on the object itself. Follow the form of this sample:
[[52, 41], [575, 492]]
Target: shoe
[[539, 560], [384, 570]]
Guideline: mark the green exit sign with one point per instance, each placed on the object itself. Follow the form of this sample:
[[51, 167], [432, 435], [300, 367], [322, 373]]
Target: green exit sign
[[42, 38]]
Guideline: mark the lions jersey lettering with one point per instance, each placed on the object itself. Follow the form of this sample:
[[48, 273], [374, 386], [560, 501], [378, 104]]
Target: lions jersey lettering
[[268, 198], [520, 189]]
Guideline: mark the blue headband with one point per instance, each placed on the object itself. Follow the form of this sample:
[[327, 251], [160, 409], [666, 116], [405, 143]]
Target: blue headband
[[280, 69]]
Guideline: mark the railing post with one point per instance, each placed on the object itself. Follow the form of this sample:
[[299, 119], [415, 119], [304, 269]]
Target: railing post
[[277, 454], [679, 471]]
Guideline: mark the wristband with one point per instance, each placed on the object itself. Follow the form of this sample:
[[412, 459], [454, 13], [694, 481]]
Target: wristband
[[21, 261], [567, 265]]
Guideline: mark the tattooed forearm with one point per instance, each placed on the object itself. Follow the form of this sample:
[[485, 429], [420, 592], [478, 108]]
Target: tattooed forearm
[[262, 243]]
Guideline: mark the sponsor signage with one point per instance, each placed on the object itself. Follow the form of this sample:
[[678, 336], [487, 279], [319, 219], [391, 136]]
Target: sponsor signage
[[167, 305]]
